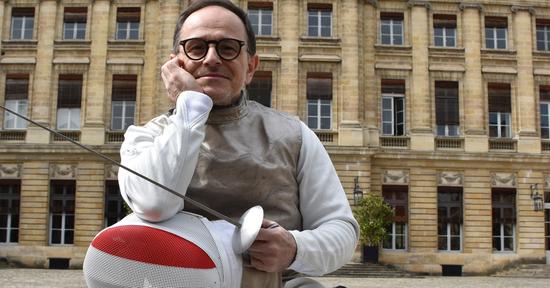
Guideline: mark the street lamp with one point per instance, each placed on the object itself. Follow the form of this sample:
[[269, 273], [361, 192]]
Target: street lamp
[[538, 204], [357, 192]]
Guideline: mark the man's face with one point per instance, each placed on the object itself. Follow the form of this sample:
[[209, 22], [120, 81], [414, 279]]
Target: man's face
[[220, 79]]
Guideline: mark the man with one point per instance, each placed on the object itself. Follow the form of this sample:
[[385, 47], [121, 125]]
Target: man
[[232, 154]]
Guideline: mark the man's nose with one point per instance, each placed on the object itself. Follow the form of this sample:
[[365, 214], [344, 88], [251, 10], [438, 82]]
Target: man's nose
[[212, 57]]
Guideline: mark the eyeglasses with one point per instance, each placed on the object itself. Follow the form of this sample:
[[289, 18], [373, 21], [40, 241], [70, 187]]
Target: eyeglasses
[[197, 48]]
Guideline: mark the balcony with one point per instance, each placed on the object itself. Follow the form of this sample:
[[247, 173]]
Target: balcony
[[114, 137], [327, 137], [73, 135], [16, 136], [449, 143], [399, 142], [502, 144]]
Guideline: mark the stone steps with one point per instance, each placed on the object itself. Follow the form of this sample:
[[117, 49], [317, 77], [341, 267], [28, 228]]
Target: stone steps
[[367, 270]]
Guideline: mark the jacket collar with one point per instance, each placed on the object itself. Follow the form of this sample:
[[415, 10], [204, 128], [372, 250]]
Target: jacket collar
[[220, 115]]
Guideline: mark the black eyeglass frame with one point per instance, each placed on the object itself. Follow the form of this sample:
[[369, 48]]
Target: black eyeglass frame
[[216, 45]]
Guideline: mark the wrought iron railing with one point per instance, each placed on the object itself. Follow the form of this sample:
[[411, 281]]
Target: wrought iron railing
[[395, 141], [545, 145], [74, 135], [114, 136], [502, 144], [13, 135], [449, 143], [327, 136]]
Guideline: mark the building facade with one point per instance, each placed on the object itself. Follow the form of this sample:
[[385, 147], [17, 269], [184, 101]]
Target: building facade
[[441, 107]]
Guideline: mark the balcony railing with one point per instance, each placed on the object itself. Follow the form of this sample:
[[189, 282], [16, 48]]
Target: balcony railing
[[114, 136], [502, 144], [545, 145], [451, 143], [74, 135], [327, 136], [13, 135], [402, 142]]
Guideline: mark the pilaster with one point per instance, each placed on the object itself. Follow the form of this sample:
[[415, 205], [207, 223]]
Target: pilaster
[[350, 132], [525, 97], [40, 104], [476, 139], [93, 131], [289, 32], [421, 132], [370, 90], [151, 72], [2, 13]]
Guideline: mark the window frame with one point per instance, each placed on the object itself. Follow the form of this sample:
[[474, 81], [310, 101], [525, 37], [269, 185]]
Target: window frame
[[446, 23], [16, 99], [449, 221], [260, 84], [317, 13], [70, 111], [13, 195], [395, 19], [77, 17], [125, 18], [545, 25], [498, 203], [319, 95], [395, 89], [260, 14], [65, 215], [492, 26], [25, 15], [113, 197], [390, 196], [445, 93]]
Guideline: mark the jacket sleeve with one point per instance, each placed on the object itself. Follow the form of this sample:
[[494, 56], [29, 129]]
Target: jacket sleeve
[[165, 150], [330, 233]]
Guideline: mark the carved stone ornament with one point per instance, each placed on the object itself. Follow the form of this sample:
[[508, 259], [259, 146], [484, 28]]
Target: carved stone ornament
[[465, 5], [398, 177], [10, 171], [516, 8], [63, 171], [450, 179], [424, 3], [505, 180], [111, 172], [547, 182]]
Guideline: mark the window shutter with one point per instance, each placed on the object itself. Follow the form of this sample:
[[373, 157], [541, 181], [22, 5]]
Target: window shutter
[[128, 14], [544, 92], [393, 86], [446, 97], [17, 86], [75, 14], [24, 11], [499, 97], [69, 91], [444, 20], [319, 86], [124, 88], [498, 22], [391, 16], [397, 197]]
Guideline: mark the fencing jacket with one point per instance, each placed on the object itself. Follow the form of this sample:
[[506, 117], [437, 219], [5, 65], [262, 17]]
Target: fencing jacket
[[234, 158]]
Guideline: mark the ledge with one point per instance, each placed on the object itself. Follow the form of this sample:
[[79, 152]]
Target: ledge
[[499, 70], [320, 58], [71, 60], [269, 57], [18, 60], [447, 67], [447, 49], [72, 42], [127, 61], [271, 38], [498, 51], [541, 71], [320, 39], [393, 47], [392, 66]]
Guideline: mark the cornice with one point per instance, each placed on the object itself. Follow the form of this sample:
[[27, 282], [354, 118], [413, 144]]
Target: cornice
[[517, 8], [465, 5], [372, 2], [425, 3]]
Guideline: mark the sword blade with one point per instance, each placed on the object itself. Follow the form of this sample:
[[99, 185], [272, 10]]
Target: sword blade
[[112, 161]]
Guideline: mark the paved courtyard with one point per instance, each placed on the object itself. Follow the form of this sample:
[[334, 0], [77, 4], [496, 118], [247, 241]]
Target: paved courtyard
[[25, 278]]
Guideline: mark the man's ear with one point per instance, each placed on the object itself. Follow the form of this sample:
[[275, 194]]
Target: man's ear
[[253, 64]]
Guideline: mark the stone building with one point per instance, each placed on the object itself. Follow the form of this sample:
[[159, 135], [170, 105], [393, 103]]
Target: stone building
[[442, 107]]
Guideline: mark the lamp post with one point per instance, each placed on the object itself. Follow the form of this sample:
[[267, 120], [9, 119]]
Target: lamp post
[[357, 192], [538, 204]]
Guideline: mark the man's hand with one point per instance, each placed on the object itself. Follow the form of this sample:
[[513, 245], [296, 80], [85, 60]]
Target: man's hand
[[176, 79], [274, 248]]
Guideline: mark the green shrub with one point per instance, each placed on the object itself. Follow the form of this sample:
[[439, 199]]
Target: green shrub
[[373, 215]]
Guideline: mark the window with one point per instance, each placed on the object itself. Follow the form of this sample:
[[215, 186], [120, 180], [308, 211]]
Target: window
[[259, 89], [69, 96], [114, 204], [9, 210], [74, 23], [62, 196], [393, 107], [17, 91], [449, 218], [319, 100], [444, 30], [496, 32], [544, 112], [319, 20], [500, 109], [123, 101], [127, 23], [543, 34], [446, 108], [261, 18], [547, 218], [22, 23], [391, 28], [504, 219], [397, 197]]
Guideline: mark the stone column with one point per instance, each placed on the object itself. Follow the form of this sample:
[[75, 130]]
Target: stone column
[[150, 79], [370, 91], [476, 139], [41, 98], [419, 97], [290, 35], [525, 96], [93, 131], [170, 11], [350, 132], [1, 19]]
